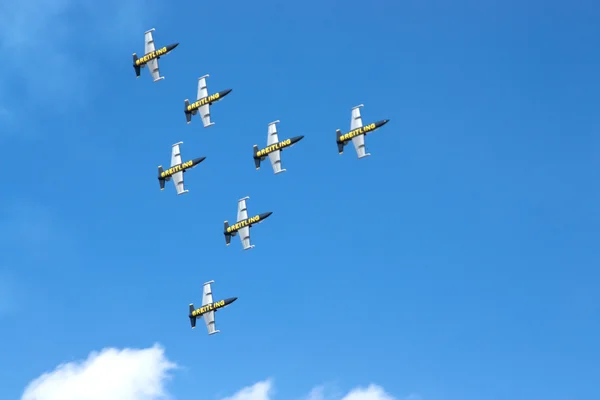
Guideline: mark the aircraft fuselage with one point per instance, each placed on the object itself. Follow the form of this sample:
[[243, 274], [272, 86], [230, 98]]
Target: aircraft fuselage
[[263, 153], [231, 230], [211, 307], [142, 61], [193, 107], [364, 130], [166, 174]]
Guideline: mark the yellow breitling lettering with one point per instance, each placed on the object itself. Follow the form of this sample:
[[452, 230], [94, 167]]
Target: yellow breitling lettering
[[206, 308], [273, 147], [218, 304], [356, 132], [176, 169], [146, 58], [243, 223], [203, 101]]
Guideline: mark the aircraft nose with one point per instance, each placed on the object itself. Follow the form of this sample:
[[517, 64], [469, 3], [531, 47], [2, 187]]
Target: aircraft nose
[[226, 92], [385, 121], [267, 215]]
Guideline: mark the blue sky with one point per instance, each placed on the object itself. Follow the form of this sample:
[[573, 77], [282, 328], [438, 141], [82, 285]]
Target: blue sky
[[458, 262]]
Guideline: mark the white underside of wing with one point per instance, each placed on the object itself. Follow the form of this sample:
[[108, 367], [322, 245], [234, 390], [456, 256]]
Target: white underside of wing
[[242, 210], [272, 136], [149, 41], [154, 71], [275, 158], [209, 320], [356, 119], [202, 88], [205, 114], [245, 237], [178, 182], [359, 145]]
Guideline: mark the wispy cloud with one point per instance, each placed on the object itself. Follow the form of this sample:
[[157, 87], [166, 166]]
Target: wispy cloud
[[264, 390], [259, 391], [143, 374], [49, 45]]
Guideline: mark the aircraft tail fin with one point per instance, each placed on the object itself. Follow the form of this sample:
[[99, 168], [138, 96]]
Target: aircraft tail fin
[[192, 319], [227, 235], [188, 115], [256, 158], [135, 66], [340, 144], [161, 180]]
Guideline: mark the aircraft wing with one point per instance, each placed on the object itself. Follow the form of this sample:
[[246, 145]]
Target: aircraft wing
[[154, 70], [275, 156], [178, 176], [358, 141], [149, 48], [245, 237], [205, 109], [356, 121], [149, 41], [202, 88], [242, 210], [245, 231], [209, 317], [205, 114]]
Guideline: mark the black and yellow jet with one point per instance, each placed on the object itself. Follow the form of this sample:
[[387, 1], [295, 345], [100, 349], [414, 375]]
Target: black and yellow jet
[[243, 224], [177, 169], [357, 133], [203, 103], [208, 309], [151, 56], [274, 148]]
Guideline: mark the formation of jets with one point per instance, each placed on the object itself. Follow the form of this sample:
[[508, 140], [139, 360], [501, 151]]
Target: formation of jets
[[274, 148]]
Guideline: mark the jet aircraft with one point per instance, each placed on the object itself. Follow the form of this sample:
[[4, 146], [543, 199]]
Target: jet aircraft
[[208, 309], [151, 56], [274, 148], [203, 102], [177, 169], [243, 224], [357, 133]]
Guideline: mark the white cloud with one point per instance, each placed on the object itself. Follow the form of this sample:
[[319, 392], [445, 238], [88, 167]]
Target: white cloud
[[142, 374], [264, 391], [372, 392], [259, 391], [128, 374]]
